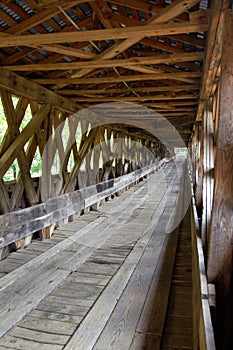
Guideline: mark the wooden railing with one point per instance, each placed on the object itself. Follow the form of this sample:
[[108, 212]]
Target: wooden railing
[[203, 334], [19, 224]]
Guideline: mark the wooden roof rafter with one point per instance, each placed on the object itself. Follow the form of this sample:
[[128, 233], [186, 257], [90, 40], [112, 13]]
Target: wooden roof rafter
[[96, 51]]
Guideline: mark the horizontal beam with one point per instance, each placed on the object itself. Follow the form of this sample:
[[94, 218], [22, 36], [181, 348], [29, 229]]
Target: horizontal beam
[[134, 98], [54, 3], [119, 91], [159, 59], [24, 222], [26, 88], [65, 50], [117, 79], [150, 30], [163, 106], [212, 56]]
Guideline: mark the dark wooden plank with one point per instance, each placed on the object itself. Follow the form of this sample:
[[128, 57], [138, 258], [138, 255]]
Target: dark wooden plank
[[219, 263], [43, 269], [110, 296], [11, 342], [48, 325], [39, 337], [75, 296], [57, 316], [22, 223], [53, 304], [89, 278]]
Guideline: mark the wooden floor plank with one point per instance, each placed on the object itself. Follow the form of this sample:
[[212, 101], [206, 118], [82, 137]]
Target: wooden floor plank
[[47, 325], [178, 330], [98, 316], [91, 288], [70, 301], [89, 278], [52, 269], [56, 304], [25, 344], [17, 307], [81, 292], [120, 328], [57, 316], [38, 336]]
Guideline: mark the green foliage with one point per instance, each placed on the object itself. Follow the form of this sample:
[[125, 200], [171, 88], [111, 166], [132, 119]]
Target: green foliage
[[3, 123], [36, 166], [13, 171]]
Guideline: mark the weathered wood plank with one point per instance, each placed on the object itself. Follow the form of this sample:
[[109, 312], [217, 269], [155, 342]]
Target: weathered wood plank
[[103, 34], [173, 10], [54, 304], [219, 259], [169, 58], [84, 336], [134, 218], [56, 315], [202, 325], [78, 290], [89, 278], [130, 77], [50, 268], [11, 342], [13, 310], [21, 223], [19, 85], [47, 325], [39, 337]]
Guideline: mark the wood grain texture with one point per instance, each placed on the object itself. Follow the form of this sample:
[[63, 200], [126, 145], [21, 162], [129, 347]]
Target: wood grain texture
[[219, 263], [22, 223], [51, 269], [127, 298]]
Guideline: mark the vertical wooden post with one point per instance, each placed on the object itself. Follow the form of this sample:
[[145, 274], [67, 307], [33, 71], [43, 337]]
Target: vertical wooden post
[[200, 165], [194, 149], [220, 261], [97, 157], [208, 171]]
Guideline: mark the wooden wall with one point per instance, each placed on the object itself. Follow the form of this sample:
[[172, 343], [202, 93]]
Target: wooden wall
[[73, 149], [212, 160]]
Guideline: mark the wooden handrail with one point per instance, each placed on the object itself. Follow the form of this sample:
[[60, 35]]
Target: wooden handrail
[[203, 333], [22, 223]]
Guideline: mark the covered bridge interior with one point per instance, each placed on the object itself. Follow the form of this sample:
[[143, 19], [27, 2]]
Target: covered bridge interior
[[116, 163]]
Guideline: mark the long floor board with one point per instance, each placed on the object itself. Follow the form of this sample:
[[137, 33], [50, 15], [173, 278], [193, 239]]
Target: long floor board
[[89, 291]]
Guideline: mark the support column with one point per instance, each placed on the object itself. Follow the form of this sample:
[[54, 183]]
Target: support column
[[208, 164], [220, 264]]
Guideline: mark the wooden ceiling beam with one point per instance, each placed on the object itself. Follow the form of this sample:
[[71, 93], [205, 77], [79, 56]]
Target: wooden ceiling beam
[[139, 5], [66, 50], [160, 107], [135, 98], [213, 54], [170, 104], [176, 8], [54, 3], [108, 91], [107, 79], [159, 59], [143, 135], [101, 34], [187, 38], [38, 18], [5, 2], [102, 11], [143, 69], [18, 55], [23, 87]]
